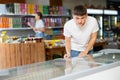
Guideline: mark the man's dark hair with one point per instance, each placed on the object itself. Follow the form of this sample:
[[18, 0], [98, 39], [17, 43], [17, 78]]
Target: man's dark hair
[[79, 10], [39, 14]]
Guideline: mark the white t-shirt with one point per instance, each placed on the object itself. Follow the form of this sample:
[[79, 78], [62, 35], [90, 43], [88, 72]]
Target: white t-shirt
[[39, 24], [80, 36]]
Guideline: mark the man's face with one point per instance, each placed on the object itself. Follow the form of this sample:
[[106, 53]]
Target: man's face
[[80, 20]]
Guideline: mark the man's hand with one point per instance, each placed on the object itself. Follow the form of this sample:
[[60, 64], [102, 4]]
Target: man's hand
[[66, 56], [83, 53]]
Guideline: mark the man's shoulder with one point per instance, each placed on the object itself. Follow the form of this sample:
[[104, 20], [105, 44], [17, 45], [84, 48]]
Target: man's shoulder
[[70, 21], [91, 18], [69, 24]]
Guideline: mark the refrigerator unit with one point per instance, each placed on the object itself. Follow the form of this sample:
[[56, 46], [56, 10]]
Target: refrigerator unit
[[109, 22]]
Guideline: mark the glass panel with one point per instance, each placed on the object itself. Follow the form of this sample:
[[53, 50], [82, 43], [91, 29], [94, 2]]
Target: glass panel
[[50, 69], [60, 67]]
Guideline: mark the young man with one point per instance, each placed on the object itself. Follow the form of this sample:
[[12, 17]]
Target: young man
[[80, 33]]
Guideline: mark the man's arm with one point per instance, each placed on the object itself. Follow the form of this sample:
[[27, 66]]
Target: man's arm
[[67, 46], [90, 44]]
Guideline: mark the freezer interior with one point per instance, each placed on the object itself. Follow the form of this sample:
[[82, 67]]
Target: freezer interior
[[60, 67], [107, 56]]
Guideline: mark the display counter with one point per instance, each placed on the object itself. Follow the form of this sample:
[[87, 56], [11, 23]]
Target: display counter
[[99, 44], [103, 44], [18, 54], [50, 52], [65, 69]]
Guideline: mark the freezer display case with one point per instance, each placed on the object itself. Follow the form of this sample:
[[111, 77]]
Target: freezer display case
[[107, 56], [64, 69]]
